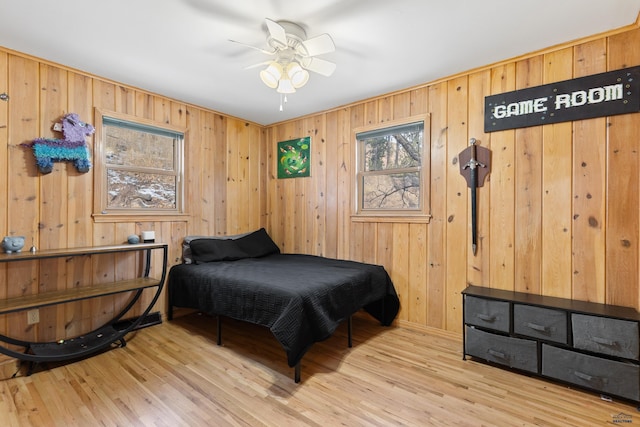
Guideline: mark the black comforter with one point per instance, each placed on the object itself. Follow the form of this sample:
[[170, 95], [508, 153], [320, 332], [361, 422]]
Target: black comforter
[[300, 298]]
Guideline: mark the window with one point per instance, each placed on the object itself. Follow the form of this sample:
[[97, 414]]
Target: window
[[138, 166], [391, 175]]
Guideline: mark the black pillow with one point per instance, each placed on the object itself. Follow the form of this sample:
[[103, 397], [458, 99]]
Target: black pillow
[[257, 244], [209, 250], [253, 245]]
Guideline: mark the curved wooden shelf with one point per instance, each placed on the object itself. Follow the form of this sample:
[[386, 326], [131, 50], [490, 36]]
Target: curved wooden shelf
[[99, 338]]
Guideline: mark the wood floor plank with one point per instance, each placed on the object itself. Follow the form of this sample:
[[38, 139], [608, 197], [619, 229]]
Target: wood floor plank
[[173, 374]]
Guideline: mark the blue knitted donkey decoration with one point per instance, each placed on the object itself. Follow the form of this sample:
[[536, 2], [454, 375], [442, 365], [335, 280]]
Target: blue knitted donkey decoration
[[72, 148]]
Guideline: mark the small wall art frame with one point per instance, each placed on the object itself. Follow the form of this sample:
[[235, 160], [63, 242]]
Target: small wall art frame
[[294, 158]]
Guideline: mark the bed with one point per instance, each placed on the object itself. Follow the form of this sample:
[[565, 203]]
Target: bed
[[300, 298]]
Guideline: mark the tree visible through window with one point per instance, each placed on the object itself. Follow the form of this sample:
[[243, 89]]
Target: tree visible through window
[[140, 166], [390, 170]]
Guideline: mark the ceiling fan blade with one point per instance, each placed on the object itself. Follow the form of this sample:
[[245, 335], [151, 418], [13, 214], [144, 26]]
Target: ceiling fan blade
[[319, 45], [317, 65], [259, 49], [277, 33], [259, 64]]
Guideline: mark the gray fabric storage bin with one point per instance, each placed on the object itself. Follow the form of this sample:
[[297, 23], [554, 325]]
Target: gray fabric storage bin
[[513, 352], [604, 335], [538, 322], [487, 313], [604, 375]]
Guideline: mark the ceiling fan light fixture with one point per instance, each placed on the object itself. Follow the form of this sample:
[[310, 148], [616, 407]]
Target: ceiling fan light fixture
[[285, 86], [298, 76], [294, 57], [271, 75]]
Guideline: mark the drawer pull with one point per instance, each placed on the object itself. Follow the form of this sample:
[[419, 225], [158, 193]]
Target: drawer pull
[[604, 341], [486, 317], [537, 327], [583, 376], [497, 354], [600, 381]]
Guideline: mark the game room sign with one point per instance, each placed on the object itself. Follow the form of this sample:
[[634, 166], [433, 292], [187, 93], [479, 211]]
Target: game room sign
[[598, 95]]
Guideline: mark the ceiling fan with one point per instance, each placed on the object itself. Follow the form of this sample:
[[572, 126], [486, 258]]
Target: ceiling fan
[[294, 55]]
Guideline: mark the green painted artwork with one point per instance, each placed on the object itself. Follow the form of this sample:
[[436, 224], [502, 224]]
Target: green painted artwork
[[294, 158]]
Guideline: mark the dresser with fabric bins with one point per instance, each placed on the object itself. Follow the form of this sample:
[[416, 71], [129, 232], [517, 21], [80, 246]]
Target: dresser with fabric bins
[[589, 345]]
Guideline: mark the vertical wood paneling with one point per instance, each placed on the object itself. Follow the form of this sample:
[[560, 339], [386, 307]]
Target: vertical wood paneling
[[56, 209], [178, 114], [80, 185], [345, 145], [369, 244], [318, 203], [458, 243], [207, 173], [4, 175], [370, 115], [219, 171], [237, 202], [415, 306], [402, 105], [288, 199], [384, 244], [254, 173], [589, 186], [161, 110], [623, 203], [559, 215], [385, 109], [276, 225], [332, 163], [194, 156], [478, 266], [531, 172], [125, 265], [528, 189], [556, 188], [301, 194], [355, 249], [106, 96], [436, 283], [419, 102], [53, 193], [400, 241], [23, 190], [125, 100], [502, 233], [144, 105]]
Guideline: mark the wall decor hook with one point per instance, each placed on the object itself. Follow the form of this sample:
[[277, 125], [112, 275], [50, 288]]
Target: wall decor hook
[[4, 97]]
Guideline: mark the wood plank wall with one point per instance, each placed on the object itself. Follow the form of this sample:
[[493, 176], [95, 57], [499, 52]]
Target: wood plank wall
[[225, 164], [558, 216]]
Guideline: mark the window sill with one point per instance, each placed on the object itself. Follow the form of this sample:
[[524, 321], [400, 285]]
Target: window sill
[[131, 217]]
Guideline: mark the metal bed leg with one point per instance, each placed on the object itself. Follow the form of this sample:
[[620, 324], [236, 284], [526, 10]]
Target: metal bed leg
[[349, 331], [296, 375], [219, 329]]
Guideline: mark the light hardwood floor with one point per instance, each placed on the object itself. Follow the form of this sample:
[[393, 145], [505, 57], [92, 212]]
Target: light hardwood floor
[[173, 374]]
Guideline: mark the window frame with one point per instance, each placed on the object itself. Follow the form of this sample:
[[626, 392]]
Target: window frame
[[421, 214], [101, 213]]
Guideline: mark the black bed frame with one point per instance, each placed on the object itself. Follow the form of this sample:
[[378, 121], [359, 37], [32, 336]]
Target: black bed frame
[[296, 375]]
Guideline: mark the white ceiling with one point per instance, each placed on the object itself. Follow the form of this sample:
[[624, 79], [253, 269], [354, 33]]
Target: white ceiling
[[181, 48]]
